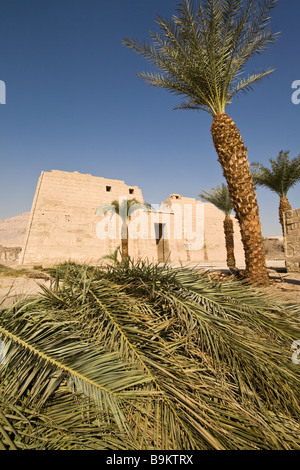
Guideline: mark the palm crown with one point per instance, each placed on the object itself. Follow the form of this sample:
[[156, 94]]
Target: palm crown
[[282, 176], [218, 196], [202, 52]]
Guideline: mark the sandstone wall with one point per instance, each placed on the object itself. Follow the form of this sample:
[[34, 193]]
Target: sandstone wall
[[292, 240], [63, 221]]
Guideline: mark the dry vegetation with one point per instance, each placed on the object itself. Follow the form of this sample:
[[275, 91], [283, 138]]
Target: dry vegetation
[[147, 357]]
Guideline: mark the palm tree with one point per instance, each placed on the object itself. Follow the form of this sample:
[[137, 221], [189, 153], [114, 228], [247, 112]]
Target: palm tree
[[219, 196], [124, 208], [202, 54], [282, 176]]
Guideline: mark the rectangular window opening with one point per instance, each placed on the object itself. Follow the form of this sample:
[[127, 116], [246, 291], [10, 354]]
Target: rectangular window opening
[[108, 188]]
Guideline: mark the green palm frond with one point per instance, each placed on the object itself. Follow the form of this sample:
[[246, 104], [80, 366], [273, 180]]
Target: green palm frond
[[218, 196], [202, 52], [245, 84], [282, 176], [140, 356], [56, 353]]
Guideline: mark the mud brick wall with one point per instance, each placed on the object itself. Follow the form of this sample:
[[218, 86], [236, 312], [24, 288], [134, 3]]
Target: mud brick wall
[[292, 240]]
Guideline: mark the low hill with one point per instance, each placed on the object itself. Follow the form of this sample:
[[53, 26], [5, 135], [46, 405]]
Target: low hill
[[13, 230], [274, 248]]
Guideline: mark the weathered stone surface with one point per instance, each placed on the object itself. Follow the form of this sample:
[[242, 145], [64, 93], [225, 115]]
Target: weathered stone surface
[[64, 226], [292, 240]]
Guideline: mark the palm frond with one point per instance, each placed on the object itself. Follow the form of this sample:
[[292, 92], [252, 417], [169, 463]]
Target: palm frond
[[151, 356], [113, 256]]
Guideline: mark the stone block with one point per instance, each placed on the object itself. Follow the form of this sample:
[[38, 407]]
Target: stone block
[[292, 240]]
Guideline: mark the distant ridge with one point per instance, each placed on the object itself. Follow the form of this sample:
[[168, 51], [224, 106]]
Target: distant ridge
[[13, 230]]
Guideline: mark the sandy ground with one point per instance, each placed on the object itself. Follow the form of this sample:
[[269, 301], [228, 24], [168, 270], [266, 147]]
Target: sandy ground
[[14, 288], [285, 286]]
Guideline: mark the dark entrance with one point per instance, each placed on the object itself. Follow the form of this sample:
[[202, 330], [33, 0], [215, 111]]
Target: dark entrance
[[161, 243]]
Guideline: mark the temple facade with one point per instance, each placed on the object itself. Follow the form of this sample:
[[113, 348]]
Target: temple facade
[[63, 224]]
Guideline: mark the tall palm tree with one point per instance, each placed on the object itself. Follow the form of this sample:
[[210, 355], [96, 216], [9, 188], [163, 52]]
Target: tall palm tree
[[219, 196], [282, 176], [202, 54], [124, 209]]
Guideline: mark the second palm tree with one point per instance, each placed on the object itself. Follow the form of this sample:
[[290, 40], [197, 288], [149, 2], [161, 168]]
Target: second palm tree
[[220, 198], [124, 209]]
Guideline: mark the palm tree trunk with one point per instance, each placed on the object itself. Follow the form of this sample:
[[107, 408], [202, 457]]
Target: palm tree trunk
[[229, 241], [233, 157], [284, 205], [124, 242]]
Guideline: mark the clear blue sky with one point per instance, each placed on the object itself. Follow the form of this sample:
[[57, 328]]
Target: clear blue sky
[[74, 103]]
